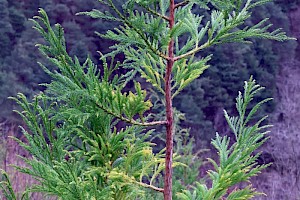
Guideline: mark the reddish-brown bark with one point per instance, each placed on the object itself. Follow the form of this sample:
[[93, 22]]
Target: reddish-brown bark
[[169, 111]]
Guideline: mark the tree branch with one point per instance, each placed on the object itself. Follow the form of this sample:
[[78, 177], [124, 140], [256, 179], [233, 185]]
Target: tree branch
[[130, 121], [193, 51], [151, 187], [156, 13], [181, 4]]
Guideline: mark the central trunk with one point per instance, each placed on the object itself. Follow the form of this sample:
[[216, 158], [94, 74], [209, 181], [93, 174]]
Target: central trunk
[[169, 110]]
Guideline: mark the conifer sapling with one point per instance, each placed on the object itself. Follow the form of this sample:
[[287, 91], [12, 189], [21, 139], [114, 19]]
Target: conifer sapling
[[76, 116]]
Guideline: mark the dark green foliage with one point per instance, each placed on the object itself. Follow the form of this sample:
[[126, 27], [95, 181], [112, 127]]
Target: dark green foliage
[[6, 30], [18, 67], [288, 5], [17, 21]]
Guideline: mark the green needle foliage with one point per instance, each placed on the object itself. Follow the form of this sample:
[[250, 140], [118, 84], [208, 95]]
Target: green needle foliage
[[6, 187], [89, 139], [144, 35], [237, 162]]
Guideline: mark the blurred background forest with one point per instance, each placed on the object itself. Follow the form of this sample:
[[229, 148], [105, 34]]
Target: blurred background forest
[[274, 65]]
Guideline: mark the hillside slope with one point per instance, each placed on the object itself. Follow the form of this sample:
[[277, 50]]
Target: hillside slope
[[282, 179]]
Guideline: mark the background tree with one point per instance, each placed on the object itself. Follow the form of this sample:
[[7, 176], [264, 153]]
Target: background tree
[[6, 30]]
